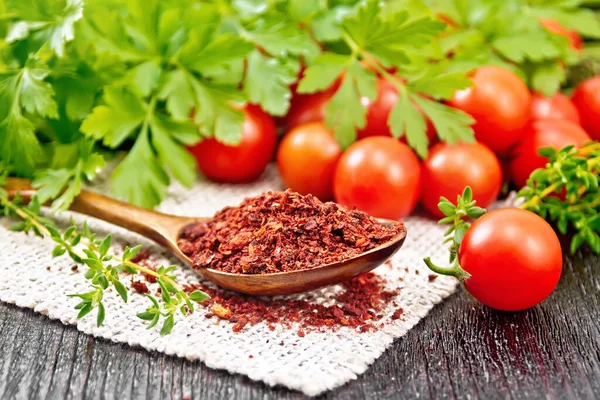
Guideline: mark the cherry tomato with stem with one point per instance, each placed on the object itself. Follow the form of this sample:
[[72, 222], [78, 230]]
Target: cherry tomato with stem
[[556, 133], [244, 162], [587, 100], [558, 106], [449, 168], [509, 259], [379, 175], [500, 103], [307, 158]]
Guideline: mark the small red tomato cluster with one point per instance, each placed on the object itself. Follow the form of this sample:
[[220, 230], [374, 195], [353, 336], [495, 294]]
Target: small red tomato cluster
[[380, 174]]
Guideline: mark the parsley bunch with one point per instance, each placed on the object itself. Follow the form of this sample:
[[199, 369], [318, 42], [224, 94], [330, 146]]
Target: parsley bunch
[[80, 79]]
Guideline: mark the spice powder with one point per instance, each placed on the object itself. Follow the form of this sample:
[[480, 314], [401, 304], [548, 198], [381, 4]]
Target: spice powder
[[280, 232], [363, 303]]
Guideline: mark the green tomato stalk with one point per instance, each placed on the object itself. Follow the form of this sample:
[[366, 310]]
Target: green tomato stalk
[[456, 216]]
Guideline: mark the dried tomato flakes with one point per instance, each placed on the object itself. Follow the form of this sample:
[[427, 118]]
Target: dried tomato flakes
[[280, 232], [139, 286], [397, 314], [361, 305]]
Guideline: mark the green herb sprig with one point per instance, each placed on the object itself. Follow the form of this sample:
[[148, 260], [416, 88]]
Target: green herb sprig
[[458, 216], [566, 193], [105, 268]]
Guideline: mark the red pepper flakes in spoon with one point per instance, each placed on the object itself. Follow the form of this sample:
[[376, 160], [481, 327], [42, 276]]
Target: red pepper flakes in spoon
[[281, 232]]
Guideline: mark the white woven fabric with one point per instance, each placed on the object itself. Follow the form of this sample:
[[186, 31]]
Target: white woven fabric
[[312, 364]]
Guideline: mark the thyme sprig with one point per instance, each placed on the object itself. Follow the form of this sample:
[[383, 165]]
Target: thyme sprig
[[566, 192], [105, 268], [457, 216]]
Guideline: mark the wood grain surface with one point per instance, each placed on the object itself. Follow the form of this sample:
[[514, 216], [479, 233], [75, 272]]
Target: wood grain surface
[[461, 350]]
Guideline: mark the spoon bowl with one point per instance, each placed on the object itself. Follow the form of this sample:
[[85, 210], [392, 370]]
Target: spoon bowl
[[165, 229]]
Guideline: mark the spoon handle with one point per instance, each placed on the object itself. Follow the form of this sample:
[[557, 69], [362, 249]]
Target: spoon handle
[[159, 227]]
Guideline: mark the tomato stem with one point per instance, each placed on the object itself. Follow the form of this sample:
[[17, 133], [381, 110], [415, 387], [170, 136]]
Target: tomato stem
[[455, 270]]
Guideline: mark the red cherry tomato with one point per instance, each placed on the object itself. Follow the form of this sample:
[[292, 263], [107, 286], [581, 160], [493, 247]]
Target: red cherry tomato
[[587, 100], [380, 176], [500, 103], [307, 158], [558, 133], [307, 108], [378, 112], [558, 106], [449, 168], [554, 26], [514, 259], [244, 162]]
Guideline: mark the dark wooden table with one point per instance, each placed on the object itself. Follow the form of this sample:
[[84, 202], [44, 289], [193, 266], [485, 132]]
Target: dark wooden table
[[460, 350]]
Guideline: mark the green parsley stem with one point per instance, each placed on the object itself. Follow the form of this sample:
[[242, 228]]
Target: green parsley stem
[[372, 61], [16, 104], [351, 43]]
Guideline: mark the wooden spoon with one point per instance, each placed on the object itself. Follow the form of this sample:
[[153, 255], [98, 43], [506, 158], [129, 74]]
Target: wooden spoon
[[164, 229]]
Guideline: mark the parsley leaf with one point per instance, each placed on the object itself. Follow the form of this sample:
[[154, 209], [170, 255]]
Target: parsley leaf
[[323, 73], [25, 91], [345, 112], [52, 20], [267, 82], [223, 49], [389, 38], [439, 84], [406, 119], [37, 96], [547, 77], [451, 125], [535, 46], [139, 178], [63, 184], [114, 122], [19, 144], [279, 38], [179, 161]]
